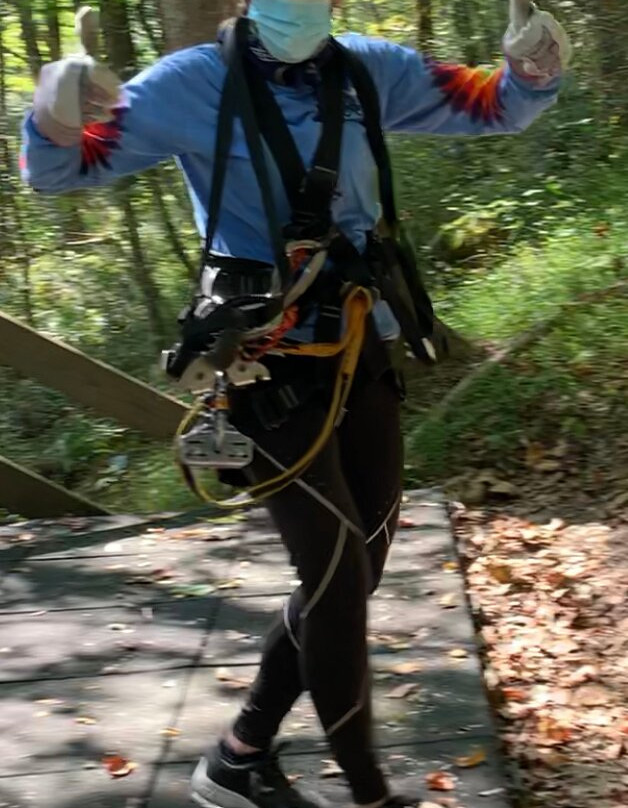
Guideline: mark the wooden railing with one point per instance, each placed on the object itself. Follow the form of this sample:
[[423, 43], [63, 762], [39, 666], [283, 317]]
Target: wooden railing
[[89, 383]]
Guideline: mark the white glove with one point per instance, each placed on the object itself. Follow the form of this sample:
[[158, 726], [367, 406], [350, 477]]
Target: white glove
[[537, 45], [74, 92]]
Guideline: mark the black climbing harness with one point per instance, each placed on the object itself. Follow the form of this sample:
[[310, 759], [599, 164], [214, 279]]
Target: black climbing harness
[[243, 309]]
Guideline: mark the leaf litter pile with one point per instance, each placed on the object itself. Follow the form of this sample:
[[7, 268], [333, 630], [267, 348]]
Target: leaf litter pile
[[551, 608]]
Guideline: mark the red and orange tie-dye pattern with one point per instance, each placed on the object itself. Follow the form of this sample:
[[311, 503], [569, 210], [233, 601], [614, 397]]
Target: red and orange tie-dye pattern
[[474, 90]]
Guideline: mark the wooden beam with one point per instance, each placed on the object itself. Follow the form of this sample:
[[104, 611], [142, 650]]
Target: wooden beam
[[87, 381], [27, 494]]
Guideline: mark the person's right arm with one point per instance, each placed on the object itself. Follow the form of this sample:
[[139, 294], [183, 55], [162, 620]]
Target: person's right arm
[[156, 117]]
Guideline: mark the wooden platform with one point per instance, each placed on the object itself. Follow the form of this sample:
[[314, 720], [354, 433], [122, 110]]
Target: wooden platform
[[134, 638]]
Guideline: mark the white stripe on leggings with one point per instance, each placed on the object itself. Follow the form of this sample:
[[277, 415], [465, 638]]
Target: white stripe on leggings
[[346, 717], [314, 493], [331, 569], [286, 622], [384, 524]]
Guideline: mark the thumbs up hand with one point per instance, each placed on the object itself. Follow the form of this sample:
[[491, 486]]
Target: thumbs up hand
[[77, 90], [537, 45]]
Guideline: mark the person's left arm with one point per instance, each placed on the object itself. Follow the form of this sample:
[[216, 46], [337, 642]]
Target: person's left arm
[[418, 94]]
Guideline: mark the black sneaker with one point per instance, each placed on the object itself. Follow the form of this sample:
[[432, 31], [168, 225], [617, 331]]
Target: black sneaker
[[255, 781]]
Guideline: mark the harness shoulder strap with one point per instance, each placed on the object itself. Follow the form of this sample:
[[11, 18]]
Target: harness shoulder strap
[[369, 101], [236, 100], [405, 293], [310, 192]]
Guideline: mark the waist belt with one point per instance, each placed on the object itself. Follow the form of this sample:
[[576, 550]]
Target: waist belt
[[225, 277]]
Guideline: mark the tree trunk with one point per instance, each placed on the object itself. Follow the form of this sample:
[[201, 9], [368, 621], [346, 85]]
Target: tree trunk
[[191, 22], [141, 273], [171, 231], [151, 26], [29, 34], [53, 37], [116, 29], [464, 24], [12, 230], [425, 28], [611, 27]]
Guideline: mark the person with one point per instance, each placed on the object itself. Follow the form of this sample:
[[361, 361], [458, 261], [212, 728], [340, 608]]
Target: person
[[338, 519]]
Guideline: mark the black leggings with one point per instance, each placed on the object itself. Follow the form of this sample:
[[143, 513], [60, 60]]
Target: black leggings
[[337, 523]]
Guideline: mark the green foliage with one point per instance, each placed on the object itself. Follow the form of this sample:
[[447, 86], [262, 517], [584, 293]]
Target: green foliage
[[571, 384]]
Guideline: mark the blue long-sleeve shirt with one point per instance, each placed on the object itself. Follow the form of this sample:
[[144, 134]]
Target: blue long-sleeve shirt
[[171, 109]]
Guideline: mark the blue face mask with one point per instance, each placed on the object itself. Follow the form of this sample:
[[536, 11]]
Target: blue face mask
[[292, 30]]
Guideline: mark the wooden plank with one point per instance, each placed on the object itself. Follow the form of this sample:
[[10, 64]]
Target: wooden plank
[[87, 381], [27, 494]]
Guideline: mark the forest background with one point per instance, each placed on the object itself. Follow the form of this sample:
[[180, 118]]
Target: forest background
[[523, 241]]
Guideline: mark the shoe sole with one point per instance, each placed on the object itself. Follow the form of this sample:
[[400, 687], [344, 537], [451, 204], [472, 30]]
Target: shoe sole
[[215, 796]]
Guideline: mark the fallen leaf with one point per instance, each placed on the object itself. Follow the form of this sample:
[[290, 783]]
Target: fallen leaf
[[547, 466], [458, 653], [404, 523], [592, 696], [230, 681], [514, 694], [402, 691], [162, 574], [502, 488], [552, 733], [399, 646], [449, 601], [552, 758], [562, 647], [192, 590], [84, 719], [440, 781], [535, 454], [451, 566], [21, 537], [614, 751], [330, 769], [191, 533], [236, 583], [170, 732], [117, 766], [502, 573], [475, 758], [405, 668]]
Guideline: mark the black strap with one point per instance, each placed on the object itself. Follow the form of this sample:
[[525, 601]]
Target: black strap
[[224, 137], [411, 305], [369, 101], [310, 193], [236, 100], [276, 135]]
